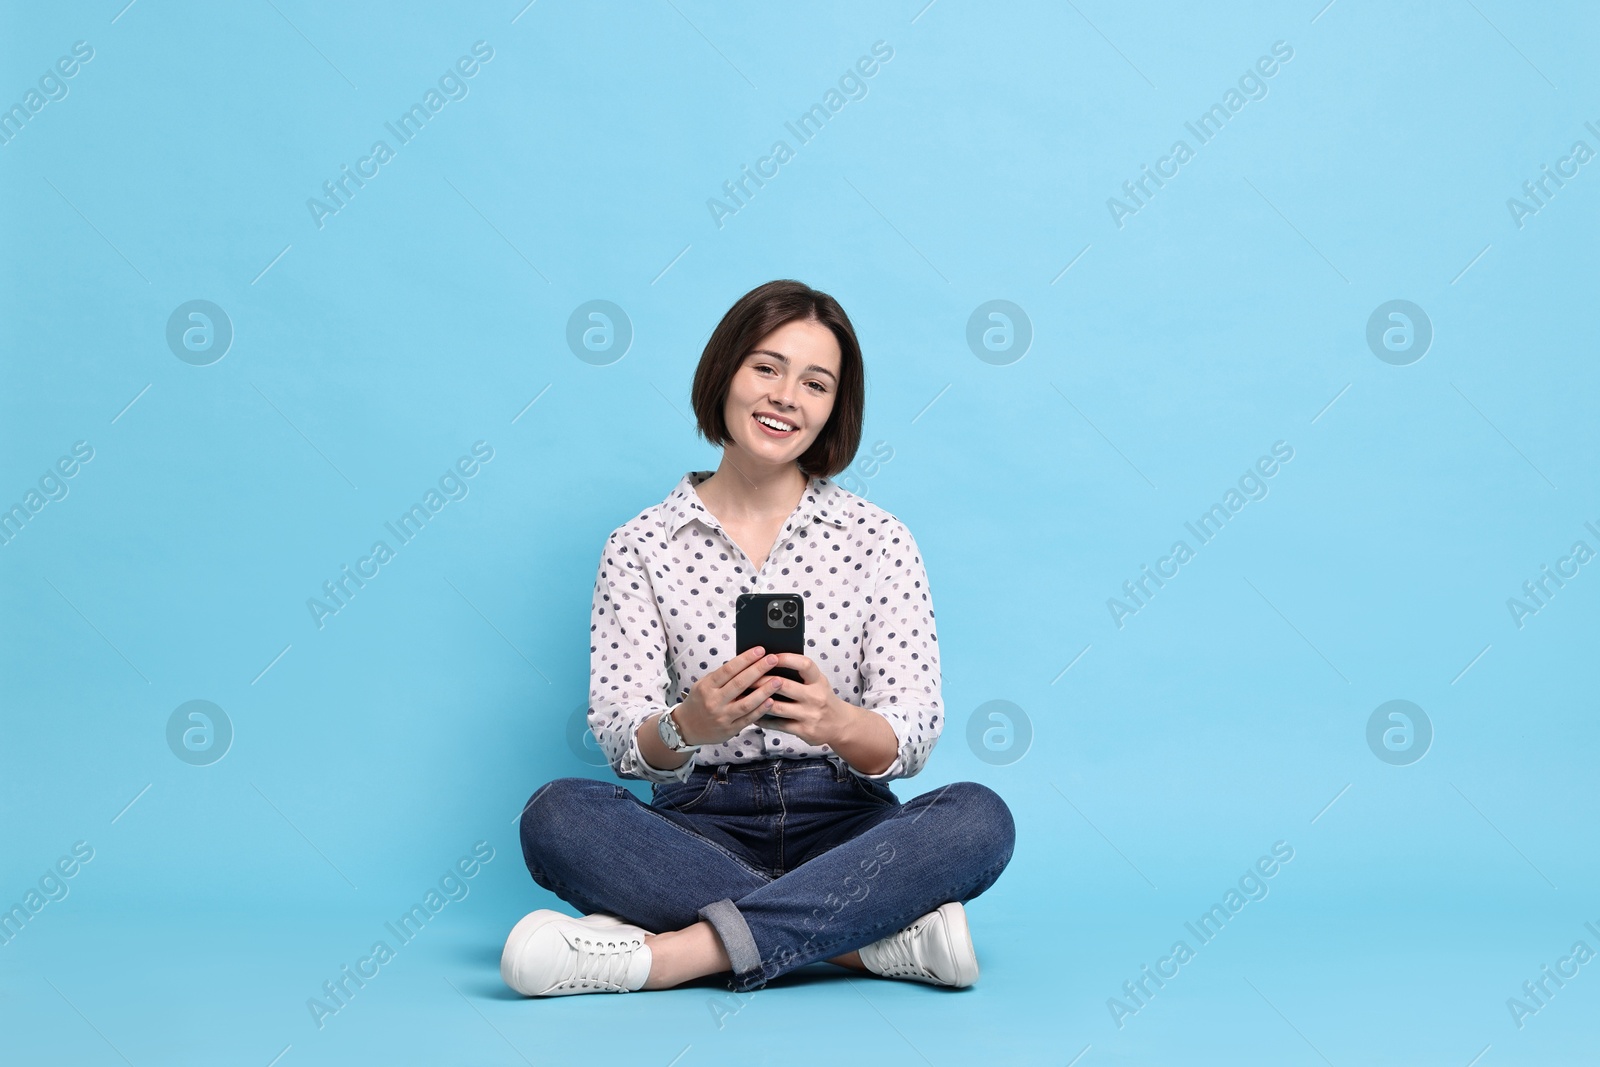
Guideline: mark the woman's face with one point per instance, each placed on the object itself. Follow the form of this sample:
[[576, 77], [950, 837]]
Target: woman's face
[[790, 377]]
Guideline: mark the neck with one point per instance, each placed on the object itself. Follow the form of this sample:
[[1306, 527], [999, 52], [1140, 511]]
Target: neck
[[741, 489]]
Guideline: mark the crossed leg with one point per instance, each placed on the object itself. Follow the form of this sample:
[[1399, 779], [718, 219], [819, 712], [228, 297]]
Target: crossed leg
[[955, 853], [594, 845]]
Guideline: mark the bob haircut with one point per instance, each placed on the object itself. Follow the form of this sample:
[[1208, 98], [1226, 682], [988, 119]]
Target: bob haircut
[[755, 315]]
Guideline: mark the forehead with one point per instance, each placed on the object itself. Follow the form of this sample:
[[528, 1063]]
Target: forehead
[[802, 343]]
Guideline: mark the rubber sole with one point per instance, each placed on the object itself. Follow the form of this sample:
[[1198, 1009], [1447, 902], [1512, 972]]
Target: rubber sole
[[966, 957]]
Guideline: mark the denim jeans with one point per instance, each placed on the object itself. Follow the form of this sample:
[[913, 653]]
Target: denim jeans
[[790, 860]]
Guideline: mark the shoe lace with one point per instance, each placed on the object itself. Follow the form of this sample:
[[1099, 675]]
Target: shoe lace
[[601, 961], [897, 955]]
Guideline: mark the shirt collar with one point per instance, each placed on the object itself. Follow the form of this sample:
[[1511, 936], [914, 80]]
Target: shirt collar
[[823, 501]]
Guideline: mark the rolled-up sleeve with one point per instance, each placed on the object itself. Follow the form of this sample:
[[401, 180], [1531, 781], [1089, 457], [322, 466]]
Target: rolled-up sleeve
[[628, 672], [900, 658]]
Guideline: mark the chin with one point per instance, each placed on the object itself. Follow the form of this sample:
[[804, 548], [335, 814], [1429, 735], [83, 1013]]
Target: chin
[[758, 445]]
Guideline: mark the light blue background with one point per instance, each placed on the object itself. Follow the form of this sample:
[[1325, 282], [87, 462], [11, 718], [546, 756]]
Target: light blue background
[[1228, 314]]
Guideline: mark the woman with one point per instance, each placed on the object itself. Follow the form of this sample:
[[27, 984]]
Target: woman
[[769, 843]]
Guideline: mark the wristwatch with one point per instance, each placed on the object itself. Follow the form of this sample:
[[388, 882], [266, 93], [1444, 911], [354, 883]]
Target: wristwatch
[[670, 735]]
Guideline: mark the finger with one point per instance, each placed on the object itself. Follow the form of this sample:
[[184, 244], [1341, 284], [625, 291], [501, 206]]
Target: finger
[[757, 703], [772, 716], [809, 671], [749, 717], [725, 673], [749, 676], [735, 666]]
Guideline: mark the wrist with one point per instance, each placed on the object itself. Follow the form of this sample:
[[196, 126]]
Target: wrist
[[655, 754], [864, 739], [847, 720], [671, 732]]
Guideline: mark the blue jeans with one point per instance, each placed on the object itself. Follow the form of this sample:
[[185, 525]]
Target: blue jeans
[[790, 860]]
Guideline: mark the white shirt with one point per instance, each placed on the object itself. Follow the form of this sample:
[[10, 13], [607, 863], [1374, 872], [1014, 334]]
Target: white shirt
[[663, 617]]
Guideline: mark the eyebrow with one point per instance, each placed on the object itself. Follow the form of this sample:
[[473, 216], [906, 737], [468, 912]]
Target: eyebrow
[[781, 358]]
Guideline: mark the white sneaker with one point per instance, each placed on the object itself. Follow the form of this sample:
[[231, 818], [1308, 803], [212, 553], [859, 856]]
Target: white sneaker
[[550, 954], [937, 949]]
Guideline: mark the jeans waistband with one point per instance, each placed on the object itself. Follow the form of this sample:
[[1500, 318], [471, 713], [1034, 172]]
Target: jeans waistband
[[787, 764]]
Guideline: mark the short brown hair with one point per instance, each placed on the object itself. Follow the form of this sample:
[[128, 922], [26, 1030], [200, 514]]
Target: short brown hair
[[755, 315]]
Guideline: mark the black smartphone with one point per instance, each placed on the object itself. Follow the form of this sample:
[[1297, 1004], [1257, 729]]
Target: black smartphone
[[776, 622]]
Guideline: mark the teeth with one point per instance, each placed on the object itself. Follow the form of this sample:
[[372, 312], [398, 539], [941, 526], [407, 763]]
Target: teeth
[[776, 425]]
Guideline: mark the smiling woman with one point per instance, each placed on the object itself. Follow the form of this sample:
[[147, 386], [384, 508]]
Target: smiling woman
[[768, 343], [766, 828]]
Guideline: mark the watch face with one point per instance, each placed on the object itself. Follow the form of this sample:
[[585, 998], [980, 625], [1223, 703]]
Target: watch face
[[669, 732]]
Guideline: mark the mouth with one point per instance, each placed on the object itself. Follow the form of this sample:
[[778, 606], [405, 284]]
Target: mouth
[[771, 426]]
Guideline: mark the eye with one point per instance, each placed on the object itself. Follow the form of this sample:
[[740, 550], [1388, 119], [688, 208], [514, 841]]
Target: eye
[[820, 387]]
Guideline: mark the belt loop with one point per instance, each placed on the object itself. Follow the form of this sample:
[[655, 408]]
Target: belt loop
[[839, 771], [722, 772]]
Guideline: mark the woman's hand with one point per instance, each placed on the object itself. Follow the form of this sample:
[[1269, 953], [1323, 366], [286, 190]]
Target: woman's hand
[[816, 716], [714, 711]]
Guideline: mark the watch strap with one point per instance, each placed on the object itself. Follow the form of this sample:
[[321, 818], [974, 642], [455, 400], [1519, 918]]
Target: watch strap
[[671, 736]]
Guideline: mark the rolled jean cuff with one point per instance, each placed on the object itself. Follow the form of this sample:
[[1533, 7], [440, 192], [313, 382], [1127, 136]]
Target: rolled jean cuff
[[737, 940]]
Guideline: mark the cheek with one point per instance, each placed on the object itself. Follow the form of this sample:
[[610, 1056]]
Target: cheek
[[737, 409]]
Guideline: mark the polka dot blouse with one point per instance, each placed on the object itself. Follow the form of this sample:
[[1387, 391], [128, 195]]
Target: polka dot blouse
[[663, 618]]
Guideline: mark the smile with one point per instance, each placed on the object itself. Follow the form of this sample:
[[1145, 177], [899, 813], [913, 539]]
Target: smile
[[774, 427]]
